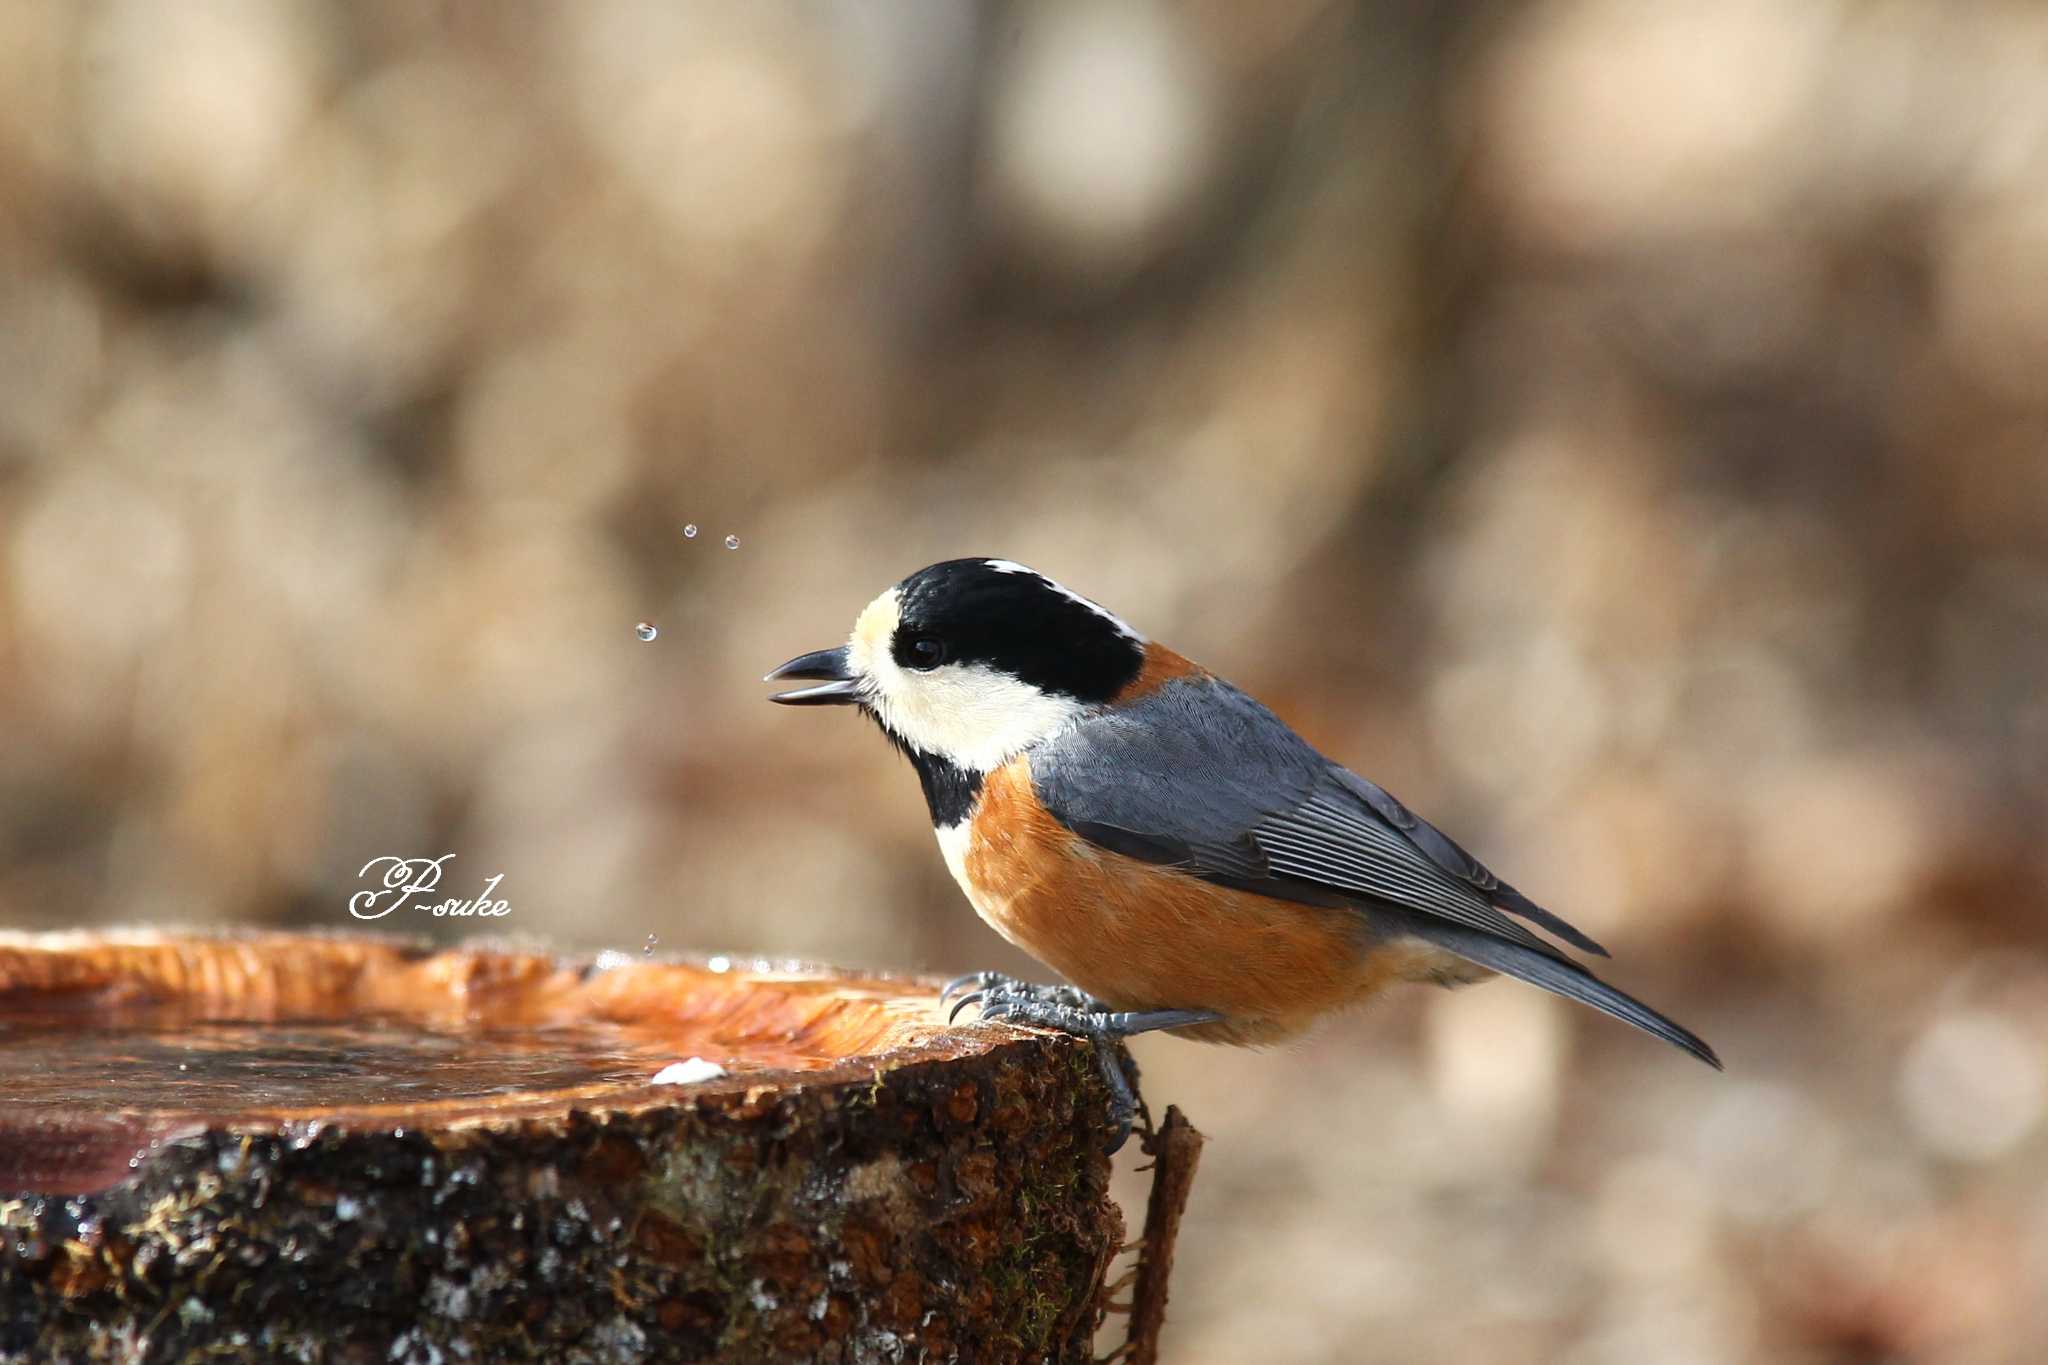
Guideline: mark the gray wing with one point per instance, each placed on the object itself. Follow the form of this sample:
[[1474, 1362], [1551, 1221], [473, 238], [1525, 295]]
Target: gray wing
[[1200, 776]]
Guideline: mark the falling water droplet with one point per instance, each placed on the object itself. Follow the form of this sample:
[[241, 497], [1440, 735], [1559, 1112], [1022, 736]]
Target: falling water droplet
[[732, 542], [690, 531], [647, 948], [645, 630]]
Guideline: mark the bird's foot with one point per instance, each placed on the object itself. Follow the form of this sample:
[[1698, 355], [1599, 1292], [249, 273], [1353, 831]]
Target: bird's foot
[[1071, 1011], [987, 987]]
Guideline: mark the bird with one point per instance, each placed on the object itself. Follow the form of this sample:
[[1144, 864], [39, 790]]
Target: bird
[[1165, 843]]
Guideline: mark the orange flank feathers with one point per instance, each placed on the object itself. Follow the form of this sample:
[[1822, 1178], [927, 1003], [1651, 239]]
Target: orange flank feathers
[[1140, 937]]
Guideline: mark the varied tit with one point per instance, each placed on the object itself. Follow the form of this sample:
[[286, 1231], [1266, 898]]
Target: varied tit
[[1160, 839]]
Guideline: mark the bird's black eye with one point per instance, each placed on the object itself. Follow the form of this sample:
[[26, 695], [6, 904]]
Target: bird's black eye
[[924, 652]]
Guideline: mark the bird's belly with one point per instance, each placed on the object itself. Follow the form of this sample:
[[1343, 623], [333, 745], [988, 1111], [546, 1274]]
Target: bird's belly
[[988, 901], [1139, 936]]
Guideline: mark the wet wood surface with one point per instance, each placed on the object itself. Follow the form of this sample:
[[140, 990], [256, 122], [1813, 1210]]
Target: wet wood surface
[[297, 1146]]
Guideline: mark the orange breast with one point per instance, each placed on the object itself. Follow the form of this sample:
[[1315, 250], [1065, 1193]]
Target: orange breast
[[1140, 936]]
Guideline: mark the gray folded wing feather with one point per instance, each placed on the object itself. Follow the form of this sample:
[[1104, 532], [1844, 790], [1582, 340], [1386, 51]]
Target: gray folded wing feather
[[1200, 776]]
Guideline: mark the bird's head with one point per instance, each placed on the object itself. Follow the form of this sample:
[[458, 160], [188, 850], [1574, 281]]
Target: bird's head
[[973, 661]]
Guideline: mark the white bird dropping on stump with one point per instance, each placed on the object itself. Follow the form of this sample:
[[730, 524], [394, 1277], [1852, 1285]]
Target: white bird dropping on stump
[[688, 1072], [646, 631]]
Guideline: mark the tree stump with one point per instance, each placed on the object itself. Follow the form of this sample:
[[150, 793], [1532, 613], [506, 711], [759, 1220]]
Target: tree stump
[[307, 1148]]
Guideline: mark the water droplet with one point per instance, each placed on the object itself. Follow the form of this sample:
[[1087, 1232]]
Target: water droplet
[[721, 963], [647, 949], [645, 630], [732, 542], [690, 531]]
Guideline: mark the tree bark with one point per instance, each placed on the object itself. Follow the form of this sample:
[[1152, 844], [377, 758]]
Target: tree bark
[[345, 1149]]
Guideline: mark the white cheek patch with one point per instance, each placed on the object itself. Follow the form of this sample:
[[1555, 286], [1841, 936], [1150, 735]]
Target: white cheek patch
[[1123, 627], [973, 715]]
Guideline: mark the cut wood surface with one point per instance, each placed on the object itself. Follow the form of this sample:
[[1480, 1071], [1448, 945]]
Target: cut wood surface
[[298, 1147]]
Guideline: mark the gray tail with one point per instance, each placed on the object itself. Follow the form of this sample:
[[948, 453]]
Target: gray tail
[[1558, 974]]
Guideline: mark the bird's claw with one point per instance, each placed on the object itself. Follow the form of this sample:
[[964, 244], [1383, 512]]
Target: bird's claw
[[969, 982], [958, 993], [1072, 1011]]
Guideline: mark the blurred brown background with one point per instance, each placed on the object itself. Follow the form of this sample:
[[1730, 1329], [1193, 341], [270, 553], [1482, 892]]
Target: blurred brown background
[[1620, 428]]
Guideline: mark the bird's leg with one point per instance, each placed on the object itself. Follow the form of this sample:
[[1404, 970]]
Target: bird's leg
[[1051, 1007]]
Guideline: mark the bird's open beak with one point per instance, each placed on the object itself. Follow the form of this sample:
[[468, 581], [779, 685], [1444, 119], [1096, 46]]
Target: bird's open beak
[[841, 688]]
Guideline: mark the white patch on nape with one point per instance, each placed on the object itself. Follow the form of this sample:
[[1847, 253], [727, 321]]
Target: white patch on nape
[[975, 716], [1123, 627]]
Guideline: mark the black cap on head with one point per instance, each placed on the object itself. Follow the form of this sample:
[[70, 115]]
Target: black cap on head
[[1004, 616]]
